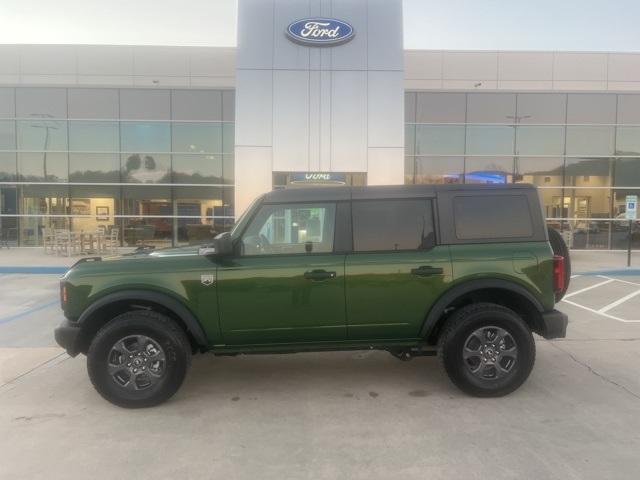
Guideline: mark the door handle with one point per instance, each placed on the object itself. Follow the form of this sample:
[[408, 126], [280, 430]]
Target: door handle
[[426, 271], [319, 275]]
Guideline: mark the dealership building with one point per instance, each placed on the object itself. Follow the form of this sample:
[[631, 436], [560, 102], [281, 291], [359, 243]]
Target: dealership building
[[166, 144]]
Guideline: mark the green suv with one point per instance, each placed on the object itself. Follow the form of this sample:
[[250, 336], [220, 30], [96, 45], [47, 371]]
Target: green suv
[[467, 272]]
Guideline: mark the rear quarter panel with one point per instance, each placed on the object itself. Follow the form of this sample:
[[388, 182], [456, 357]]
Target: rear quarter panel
[[529, 264]]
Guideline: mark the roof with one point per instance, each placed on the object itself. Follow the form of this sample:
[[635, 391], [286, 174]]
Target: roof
[[333, 193]]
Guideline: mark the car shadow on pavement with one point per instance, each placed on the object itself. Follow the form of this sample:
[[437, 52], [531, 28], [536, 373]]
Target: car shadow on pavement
[[336, 374]]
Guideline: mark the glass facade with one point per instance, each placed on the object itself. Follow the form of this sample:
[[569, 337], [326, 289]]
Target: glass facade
[[581, 149], [156, 164]]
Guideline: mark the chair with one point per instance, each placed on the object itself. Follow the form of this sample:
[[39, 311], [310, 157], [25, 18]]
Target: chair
[[49, 240], [66, 242], [111, 240]]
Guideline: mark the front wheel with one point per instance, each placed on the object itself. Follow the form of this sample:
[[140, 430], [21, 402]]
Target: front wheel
[[487, 350], [139, 359]]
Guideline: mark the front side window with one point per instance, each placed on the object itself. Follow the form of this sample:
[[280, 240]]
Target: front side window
[[392, 225], [291, 229]]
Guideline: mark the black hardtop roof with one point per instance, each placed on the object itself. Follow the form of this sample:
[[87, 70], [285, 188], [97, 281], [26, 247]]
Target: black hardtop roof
[[315, 194]]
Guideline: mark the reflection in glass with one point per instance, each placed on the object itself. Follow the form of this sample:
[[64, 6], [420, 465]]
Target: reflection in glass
[[488, 170], [540, 140], [197, 137], [627, 172], [101, 206], [228, 137], [439, 139], [7, 167], [490, 140], [9, 206], [141, 202], [41, 200], [197, 169], [140, 137], [43, 167], [7, 135], [205, 203], [438, 170], [41, 134], [410, 139], [590, 140], [491, 107], [628, 141], [94, 136], [94, 167], [146, 168], [539, 171]]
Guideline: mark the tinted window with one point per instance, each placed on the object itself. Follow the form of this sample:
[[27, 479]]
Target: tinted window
[[492, 216], [382, 225], [291, 229]]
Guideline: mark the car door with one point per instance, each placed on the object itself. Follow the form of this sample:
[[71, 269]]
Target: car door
[[396, 270], [286, 283]]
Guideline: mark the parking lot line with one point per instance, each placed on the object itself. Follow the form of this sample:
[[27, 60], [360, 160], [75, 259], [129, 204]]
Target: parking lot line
[[604, 314], [620, 301], [589, 288]]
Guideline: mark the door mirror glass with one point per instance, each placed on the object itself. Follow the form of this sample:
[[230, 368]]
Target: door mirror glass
[[221, 245]]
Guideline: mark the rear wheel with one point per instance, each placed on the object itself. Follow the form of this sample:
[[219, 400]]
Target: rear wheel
[[560, 248], [139, 359], [487, 350]]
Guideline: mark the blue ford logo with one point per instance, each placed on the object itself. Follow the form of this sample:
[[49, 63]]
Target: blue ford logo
[[320, 31]]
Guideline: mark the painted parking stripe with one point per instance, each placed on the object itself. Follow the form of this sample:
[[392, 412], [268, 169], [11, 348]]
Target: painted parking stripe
[[599, 313], [620, 301], [589, 288], [29, 311]]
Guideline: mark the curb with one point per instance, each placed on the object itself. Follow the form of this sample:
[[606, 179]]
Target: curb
[[38, 270], [620, 272]]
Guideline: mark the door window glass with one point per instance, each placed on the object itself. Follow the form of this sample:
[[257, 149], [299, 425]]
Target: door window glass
[[391, 225], [291, 229]]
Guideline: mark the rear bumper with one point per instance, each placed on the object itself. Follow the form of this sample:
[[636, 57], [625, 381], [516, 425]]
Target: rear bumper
[[67, 335], [554, 324]]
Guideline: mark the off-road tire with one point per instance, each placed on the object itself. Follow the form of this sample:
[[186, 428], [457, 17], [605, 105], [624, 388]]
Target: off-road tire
[[560, 248], [161, 329], [461, 325]]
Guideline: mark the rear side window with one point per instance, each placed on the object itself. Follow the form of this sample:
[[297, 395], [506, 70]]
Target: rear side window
[[392, 225], [492, 216]]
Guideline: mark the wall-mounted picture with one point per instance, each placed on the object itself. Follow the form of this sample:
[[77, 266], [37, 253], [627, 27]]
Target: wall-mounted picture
[[102, 214], [80, 206]]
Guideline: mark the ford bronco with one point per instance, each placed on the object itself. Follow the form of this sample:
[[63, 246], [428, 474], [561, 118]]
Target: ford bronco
[[465, 272]]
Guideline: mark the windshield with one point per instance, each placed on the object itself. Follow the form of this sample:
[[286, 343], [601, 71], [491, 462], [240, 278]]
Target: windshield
[[242, 220]]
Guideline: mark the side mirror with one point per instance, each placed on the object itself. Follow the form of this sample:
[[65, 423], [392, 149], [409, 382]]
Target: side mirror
[[221, 245]]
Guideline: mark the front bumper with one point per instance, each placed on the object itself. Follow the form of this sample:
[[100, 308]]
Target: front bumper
[[554, 324], [67, 334]]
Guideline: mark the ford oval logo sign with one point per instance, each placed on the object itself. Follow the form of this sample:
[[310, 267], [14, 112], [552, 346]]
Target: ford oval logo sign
[[320, 31]]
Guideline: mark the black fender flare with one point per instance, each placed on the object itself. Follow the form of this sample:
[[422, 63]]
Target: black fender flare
[[463, 288], [191, 322]]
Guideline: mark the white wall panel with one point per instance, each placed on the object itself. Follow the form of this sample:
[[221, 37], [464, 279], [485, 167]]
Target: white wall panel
[[420, 64], [287, 54], [255, 33], [254, 107], [291, 120], [580, 67], [470, 65], [253, 171], [525, 66], [351, 55], [384, 35], [348, 130], [386, 166], [624, 67], [385, 110]]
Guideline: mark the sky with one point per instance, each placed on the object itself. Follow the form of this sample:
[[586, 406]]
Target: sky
[[578, 25]]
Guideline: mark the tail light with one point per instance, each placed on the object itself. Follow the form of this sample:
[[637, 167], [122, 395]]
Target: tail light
[[558, 273]]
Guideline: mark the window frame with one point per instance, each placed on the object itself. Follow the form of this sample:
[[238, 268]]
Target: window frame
[[237, 253], [434, 223]]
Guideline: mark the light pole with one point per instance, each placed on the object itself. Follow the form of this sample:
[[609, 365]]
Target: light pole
[[46, 128], [516, 121]]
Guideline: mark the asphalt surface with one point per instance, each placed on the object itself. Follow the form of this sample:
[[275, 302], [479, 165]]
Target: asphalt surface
[[331, 415]]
